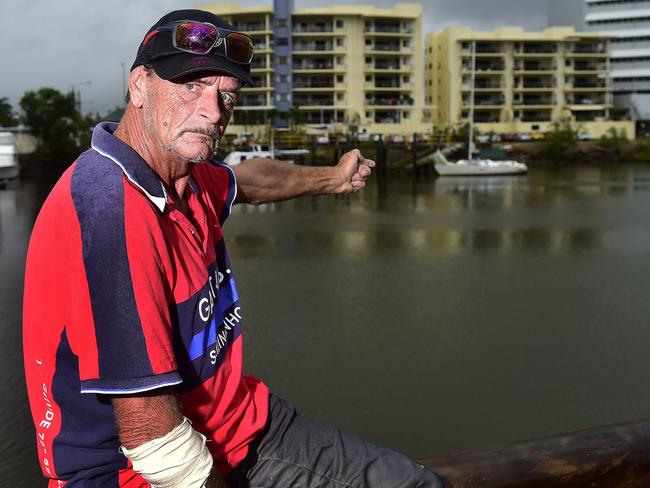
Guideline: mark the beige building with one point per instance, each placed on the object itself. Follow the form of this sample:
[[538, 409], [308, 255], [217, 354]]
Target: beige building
[[523, 80], [349, 65]]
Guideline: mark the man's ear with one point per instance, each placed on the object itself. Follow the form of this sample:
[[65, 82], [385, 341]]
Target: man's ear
[[137, 85]]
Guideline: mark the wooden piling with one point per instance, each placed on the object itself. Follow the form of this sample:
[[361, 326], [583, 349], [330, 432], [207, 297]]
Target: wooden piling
[[610, 457]]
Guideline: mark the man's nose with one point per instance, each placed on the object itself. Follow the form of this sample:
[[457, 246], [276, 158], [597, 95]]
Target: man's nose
[[209, 106]]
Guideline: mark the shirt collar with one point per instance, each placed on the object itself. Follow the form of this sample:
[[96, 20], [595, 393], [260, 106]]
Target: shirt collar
[[136, 170]]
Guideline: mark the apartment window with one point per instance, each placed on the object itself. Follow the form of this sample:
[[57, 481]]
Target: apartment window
[[406, 79], [282, 23], [368, 42], [283, 78], [339, 24], [405, 115], [465, 45], [283, 59], [283, 97], [430, 65], [368, 115], [535, 127], [282, 41], [339, 60], [368, 78], [406, 43], [339, 78], [430, 82], [339, 42], [368, 60], [339, 96]]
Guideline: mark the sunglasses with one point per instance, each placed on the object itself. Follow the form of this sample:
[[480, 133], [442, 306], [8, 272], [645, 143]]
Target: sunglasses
[[201, 37]]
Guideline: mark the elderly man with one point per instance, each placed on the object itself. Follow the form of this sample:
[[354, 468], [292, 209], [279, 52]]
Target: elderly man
[[132, 324]]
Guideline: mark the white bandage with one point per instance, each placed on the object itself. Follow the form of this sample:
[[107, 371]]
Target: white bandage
[[178, 459]]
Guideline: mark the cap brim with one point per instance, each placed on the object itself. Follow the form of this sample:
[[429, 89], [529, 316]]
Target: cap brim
[[179, 65]]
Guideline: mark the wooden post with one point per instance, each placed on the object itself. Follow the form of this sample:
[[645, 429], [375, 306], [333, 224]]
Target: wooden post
[[610, 457]]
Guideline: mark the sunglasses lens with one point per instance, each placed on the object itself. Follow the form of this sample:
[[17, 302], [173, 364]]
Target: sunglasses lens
[[240, 47], [195, 37]]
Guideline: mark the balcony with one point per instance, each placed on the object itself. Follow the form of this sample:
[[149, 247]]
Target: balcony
[[536, 50], [258, 26], [390, 101], [387, 65], [313, 101], [313, 83], [485, 101], [387, 28], [588, 49], [315, 64], [312, 46], [536, 117], [245, 101], [385, 47], [314, 28], [589, 67], [534, 101], [482, 66], [534, 67]]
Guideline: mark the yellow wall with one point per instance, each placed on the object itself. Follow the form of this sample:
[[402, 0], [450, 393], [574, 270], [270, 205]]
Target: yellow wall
[[565, 77], [354, 52]]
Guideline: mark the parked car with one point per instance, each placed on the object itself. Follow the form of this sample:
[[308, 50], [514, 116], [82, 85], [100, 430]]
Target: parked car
[[363, 137], [582, 136], [507, 137], [323, 140], [396, 138], [523, 136], [538, 136]]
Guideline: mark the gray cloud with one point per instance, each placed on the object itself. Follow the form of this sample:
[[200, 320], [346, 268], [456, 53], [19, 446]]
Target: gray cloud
[[62, 43]]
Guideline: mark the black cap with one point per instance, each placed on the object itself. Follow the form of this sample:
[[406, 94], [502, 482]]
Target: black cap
[[170, 63]]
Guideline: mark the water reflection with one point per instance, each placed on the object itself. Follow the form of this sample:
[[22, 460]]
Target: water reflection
[[549, 211]]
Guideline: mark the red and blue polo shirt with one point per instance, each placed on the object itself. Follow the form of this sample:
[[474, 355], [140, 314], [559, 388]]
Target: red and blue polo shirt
[[125, 294]]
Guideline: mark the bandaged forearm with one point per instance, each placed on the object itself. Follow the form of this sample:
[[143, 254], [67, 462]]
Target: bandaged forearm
[[178, 459]]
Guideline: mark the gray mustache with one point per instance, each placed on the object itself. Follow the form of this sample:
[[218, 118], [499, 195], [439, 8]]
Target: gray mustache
[[214, 133]]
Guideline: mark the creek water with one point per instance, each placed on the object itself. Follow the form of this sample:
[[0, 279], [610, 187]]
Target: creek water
[[430, 316]]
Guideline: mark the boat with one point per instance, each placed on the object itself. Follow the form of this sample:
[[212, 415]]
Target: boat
[[9, 167], [473, 166], [476, 167], [259, 151]]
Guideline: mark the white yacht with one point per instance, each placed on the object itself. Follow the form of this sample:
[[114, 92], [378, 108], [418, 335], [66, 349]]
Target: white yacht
[[8, 160], [259, 151], [476, 167]]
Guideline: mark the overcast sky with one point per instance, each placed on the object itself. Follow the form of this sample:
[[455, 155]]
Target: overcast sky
[[67, 42]]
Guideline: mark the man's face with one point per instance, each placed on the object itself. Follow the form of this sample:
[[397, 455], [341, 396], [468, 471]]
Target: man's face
[[188, 116]]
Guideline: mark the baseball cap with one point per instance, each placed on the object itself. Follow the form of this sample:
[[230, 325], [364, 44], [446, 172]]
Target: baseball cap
[[169, 63]]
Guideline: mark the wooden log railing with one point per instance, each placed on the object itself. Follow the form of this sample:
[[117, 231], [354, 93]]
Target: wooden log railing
[[610, 457]]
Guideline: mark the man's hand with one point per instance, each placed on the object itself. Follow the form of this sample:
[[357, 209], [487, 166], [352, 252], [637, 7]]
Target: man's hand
[[353, 170]]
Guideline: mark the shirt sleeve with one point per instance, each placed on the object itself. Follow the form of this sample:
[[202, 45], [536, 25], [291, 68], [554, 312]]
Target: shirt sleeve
[[218, 180], [122, 326]]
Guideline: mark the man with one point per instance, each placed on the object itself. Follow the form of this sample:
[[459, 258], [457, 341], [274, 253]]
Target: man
[[132, 324]]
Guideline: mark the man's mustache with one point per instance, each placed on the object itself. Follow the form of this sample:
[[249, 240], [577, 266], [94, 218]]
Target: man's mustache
[[214, 133]]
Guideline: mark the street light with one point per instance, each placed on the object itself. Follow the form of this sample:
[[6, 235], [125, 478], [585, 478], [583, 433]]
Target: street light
[[77, 96]]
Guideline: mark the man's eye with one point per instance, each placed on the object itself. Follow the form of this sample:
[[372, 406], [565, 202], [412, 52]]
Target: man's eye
[[228, 99], [191, 86]]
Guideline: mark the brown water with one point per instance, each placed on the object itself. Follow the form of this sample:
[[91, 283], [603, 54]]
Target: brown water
[[431, 317]]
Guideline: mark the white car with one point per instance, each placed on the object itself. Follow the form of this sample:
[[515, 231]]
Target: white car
[[582, 136], [522, 136], [323, 140]]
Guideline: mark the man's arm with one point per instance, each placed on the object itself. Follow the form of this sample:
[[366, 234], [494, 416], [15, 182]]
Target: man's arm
[[267, 180], [150, 416]]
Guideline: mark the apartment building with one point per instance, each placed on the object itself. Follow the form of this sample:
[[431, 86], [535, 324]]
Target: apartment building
[[333, 68], [627, 22], [523, 81]]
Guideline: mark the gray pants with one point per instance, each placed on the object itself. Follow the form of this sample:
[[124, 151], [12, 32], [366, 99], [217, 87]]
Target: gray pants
[[296, 451]]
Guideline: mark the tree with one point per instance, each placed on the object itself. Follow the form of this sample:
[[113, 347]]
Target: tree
[[7, 116], [52, 117], [559, 141]]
